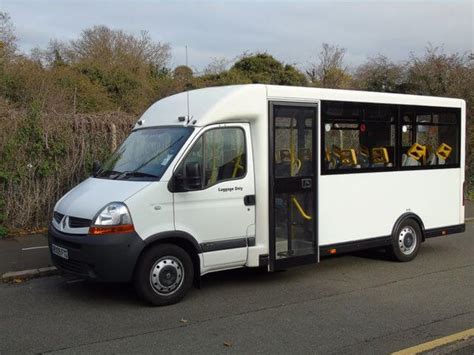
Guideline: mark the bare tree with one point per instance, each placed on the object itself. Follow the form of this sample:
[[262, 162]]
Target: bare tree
[[101, 44], [54, 55], [216, 66], [380, 74], [440, 74], [8, 39], [330, 71]]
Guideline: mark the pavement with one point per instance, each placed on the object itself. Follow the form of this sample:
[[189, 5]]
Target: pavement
[[359, 303], [24, 253]]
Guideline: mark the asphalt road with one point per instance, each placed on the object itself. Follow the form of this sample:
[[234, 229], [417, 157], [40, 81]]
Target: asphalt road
[[358, 303]]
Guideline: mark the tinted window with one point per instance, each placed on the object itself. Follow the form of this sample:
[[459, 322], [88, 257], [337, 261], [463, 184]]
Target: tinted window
[[430, 136], [358, 136]]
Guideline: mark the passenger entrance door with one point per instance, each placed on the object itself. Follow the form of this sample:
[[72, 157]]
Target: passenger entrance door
[[293, 185]]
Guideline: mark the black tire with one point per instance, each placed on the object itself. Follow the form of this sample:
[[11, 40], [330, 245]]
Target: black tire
[[172, 275], [406, 241]]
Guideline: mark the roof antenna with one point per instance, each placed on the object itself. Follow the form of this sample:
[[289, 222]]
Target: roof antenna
[[187, 88]]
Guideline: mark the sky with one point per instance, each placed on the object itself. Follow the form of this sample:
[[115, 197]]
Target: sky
[[292, 31]]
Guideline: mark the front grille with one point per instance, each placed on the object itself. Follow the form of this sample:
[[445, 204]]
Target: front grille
[[76, 222], [58, 217], [70, 265]]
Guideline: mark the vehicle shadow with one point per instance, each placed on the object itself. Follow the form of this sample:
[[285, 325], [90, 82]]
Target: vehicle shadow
[[373, 254], [124, 293], [99, 293]]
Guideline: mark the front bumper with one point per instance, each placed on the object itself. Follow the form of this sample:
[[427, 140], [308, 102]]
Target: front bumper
[[108, 258]]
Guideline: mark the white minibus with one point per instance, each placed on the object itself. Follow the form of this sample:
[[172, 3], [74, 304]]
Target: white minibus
[[263, 176]]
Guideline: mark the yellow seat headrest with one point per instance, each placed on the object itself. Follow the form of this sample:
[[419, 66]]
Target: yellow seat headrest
[[348, 157], [380, 155], [417, 151], [444, 151]]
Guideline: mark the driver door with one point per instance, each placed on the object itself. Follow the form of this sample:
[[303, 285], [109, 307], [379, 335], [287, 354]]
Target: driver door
[[219, 211]]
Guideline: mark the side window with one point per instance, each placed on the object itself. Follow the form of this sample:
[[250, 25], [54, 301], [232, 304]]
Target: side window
[[430, 136], [220, 153], [358, 136], [293, 141]]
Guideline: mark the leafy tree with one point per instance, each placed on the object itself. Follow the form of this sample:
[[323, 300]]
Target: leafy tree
[[183, 74], [126, 66], [264, 68], [439, 74]]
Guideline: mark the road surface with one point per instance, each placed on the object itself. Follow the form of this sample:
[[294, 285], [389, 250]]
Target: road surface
[[358, 303]]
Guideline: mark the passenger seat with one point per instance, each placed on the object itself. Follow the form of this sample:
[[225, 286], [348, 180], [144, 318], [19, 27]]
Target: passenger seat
[[416, 153]]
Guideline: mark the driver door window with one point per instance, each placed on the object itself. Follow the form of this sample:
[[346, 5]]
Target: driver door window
[[221, 155]]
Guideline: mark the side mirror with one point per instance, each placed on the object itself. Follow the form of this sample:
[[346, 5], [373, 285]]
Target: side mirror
[[192, 181], [96, 168]]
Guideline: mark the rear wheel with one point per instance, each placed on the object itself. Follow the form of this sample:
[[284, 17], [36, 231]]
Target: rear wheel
[[406, 241], [164, 274]]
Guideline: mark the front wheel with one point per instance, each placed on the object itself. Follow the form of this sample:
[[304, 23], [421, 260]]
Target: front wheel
[[164, 274], [406, 241]]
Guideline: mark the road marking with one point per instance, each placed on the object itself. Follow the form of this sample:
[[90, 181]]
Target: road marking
[[33, 248], [436, 343]]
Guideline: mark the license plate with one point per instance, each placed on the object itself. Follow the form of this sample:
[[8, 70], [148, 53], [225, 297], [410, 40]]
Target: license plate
[[61, 252]]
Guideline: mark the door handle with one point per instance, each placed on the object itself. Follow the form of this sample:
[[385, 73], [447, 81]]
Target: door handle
[[306, 183], [249, 200]]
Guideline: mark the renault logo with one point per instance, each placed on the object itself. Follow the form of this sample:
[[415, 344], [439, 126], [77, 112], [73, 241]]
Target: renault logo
[[64, 222]]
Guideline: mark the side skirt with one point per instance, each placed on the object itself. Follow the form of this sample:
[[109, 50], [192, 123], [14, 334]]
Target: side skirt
[[347, 247], [442, 231]]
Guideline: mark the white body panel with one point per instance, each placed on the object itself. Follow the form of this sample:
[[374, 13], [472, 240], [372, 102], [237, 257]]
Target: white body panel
[[350, 206], [86, 199], [361, 206], [152, 210]]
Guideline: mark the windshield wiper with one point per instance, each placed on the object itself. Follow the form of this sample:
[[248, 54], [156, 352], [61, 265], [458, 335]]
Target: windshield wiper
[[107, 173], [127, 174]]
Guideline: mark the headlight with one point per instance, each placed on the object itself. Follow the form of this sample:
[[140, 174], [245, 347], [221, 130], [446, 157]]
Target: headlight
[[114, 218]]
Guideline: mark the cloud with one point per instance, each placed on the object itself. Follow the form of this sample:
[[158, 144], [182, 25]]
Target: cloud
[[292, 31]]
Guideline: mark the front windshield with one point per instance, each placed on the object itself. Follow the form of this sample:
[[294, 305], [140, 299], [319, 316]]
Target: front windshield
[[145, 154]]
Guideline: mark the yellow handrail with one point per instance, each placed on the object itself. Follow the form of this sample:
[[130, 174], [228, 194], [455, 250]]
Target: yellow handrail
[[214, 169], [300, 209], [237, 166], [295, 163]]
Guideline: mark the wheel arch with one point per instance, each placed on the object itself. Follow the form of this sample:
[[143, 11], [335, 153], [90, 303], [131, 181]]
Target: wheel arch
[[182, 239], [410, 215]]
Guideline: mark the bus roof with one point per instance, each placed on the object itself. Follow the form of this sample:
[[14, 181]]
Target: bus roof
[[247, 102]]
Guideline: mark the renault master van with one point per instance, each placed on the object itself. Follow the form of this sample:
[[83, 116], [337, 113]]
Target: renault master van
[[263, 176]]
